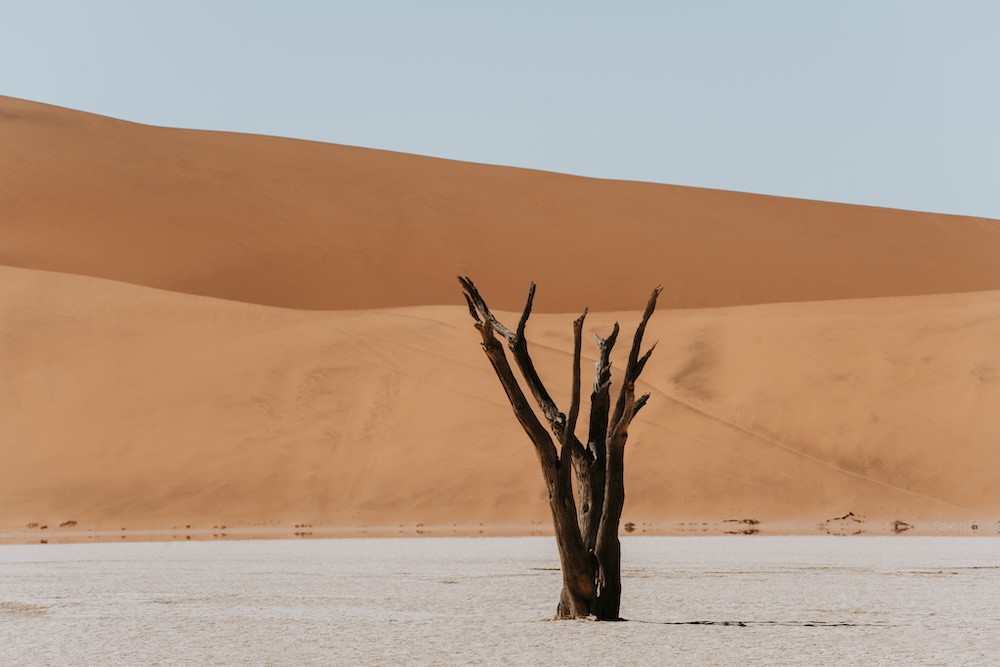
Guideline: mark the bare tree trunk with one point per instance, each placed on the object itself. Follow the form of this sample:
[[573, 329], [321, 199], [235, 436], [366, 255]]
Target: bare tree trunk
[[577, 568], [608, 549], [586, 523], [594, 467]]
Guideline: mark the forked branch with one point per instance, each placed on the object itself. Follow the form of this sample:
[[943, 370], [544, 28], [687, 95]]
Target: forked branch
[[574, 409], [517, 342], [625, 406]]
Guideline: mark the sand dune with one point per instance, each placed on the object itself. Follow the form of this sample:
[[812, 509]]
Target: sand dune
[[206, 329], [318, 226], [133, 407]]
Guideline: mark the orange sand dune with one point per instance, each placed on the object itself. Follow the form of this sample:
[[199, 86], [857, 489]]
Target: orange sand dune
[[315, 226], [128, 406], [283, 344]]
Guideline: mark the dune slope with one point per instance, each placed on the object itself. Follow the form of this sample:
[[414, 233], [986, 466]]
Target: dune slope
[[318, 226], [127, 406], [208, 329]]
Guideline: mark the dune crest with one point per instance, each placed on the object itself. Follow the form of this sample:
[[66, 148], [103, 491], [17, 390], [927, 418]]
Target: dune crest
[[320, 226]]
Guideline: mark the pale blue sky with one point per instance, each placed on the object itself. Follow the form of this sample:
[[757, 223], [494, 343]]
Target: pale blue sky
[[887, 103]]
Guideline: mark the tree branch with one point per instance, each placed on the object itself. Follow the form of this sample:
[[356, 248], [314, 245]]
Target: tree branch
[[590, 465], [600, 397], [639, 403], [518, 344], [569, 431], [476, 302], [472, 308], [527, 313], [544, 446], [633, 368]]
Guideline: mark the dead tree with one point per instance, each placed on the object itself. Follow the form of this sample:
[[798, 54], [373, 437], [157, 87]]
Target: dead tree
[[586, 523]]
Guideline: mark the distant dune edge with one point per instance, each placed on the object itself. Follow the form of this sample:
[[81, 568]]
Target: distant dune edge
[[317, 226], [208, 335]]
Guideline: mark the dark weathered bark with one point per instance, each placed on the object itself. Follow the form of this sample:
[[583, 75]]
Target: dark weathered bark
[[586, 523], [596, 471]]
